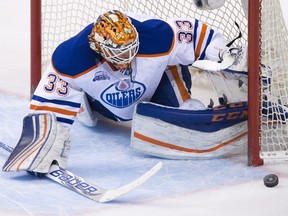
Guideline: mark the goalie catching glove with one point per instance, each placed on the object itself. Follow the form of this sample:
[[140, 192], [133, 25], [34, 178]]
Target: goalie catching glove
[[43, 141], [232, 60]]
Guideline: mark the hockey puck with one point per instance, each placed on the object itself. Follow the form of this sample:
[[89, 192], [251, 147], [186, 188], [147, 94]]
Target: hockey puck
[[271, 180]]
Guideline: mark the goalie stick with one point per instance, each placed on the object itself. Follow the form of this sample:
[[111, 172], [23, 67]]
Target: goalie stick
[[88, 189]]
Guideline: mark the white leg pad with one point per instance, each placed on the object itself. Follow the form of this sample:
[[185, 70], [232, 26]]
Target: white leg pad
[[159, 138]]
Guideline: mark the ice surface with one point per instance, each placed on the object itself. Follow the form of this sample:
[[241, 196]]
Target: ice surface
[[102, 154]]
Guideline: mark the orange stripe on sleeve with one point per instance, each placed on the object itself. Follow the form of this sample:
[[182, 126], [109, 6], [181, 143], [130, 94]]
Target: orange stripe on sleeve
[[181, 87], [200, 42], [53, 109]]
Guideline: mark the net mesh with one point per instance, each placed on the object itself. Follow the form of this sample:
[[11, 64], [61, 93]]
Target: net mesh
[[274, 82], [61, 19]]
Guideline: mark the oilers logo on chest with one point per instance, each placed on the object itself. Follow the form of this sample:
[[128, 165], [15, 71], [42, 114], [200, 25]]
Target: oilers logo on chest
[[123, 93]]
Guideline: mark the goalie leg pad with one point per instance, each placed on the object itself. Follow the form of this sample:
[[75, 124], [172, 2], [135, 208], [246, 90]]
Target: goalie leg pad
[[42, 142], [154, 135]]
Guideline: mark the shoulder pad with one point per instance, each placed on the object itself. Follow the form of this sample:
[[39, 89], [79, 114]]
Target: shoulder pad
[[74, 56], [155, 36]]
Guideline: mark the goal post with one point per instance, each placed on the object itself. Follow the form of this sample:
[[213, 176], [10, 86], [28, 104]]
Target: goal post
[[35, 44], [254, 113], [268, 83], [264, 30]]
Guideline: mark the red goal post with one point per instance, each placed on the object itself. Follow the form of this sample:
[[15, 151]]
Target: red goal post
[[53, 21], [268, 83], [254, 113], [35, 41]]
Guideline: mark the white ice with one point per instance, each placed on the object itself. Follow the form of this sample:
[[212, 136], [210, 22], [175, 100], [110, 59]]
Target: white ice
[[102, 154]]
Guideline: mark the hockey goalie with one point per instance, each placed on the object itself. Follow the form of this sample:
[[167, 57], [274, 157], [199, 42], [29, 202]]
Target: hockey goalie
[[126, 66]]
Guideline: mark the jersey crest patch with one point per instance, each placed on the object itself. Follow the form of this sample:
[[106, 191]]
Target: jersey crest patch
[[123, 94], [101, 75]]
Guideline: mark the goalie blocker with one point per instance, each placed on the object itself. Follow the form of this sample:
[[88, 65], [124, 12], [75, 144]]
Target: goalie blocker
[[43, 142], [185, 134]]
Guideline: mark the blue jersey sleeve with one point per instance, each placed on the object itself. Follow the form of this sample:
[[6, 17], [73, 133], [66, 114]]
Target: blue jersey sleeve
[[74, 56], [155, 36]]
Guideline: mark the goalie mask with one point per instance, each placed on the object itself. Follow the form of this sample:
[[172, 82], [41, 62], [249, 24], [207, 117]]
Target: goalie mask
[[115, 38]]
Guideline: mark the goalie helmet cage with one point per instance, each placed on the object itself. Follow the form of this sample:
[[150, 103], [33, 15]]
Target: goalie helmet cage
[[53, 21]]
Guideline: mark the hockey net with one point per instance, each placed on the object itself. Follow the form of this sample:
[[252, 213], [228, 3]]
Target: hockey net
[[268, 89], [62, 19]]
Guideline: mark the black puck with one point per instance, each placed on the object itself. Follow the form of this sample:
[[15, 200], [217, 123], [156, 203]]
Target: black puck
[[271, 180]]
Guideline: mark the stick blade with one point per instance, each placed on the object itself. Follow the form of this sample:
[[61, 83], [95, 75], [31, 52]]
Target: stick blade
[[93, 191], [88, 189], [75, 183], [116, 193]]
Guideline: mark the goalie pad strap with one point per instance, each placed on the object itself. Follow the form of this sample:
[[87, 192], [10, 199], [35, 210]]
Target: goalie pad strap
[[183, 149]]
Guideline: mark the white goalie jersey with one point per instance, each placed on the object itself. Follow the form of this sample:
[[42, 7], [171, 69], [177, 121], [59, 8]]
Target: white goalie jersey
[[76, 69]]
